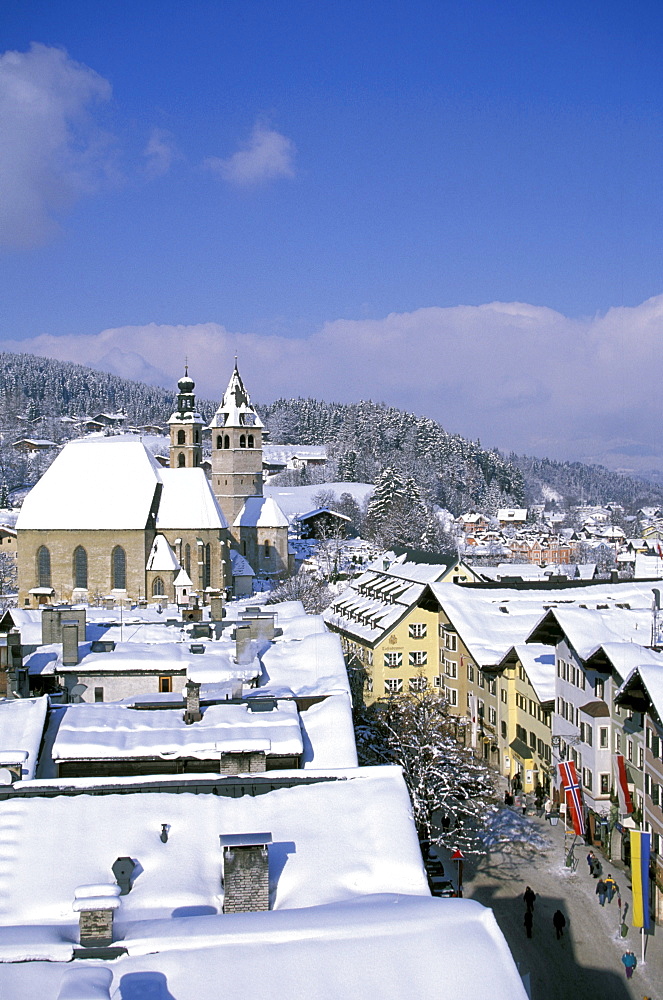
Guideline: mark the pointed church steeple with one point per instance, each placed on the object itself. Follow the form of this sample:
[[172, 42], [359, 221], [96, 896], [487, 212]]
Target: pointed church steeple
[[236, 449], [186, 427]]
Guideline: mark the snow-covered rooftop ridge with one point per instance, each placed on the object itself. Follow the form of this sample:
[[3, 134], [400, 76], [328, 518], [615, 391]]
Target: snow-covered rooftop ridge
[[235, 409], [490, 621], [116, 731], [111, 484], [374, 603], [261, 512], [308, 667], [651, 676], [295, 500]]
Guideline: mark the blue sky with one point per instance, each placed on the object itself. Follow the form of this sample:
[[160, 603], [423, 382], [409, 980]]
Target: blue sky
[[339, 191]]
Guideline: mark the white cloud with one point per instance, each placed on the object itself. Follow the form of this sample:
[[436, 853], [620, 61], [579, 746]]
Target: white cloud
[[518, 376], [160, 153], [51, 151], [267, 156]]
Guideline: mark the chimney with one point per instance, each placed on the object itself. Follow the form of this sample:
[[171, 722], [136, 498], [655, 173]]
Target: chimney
[[217, 611], [245, 872], [243, 652], [192, 711], [50, 625], [123, 869], [96, 905], [69, 644]]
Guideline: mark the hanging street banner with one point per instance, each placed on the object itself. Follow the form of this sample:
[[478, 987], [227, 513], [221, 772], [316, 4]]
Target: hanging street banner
[[640, 848], [569, 778], [621, 785]]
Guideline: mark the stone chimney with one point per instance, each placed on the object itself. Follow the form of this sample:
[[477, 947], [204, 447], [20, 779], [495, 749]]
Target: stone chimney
[[70, 644], [96, 905], [243, 652], [216, 608], [192, 711], [245, 872]]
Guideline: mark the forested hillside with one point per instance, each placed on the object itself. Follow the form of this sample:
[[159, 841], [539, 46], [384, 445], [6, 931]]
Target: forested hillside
[[363, 439]]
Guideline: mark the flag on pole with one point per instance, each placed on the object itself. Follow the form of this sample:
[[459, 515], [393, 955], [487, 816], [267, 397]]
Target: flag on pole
[[569, 777], [640, 847], [621, 784]]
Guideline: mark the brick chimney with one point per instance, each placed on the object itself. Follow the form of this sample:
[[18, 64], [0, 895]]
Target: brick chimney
[[96, 905], [245, 872], [192, 711]]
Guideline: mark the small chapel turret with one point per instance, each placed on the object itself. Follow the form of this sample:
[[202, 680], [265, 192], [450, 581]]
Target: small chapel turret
[[186, 427], [236, 450]]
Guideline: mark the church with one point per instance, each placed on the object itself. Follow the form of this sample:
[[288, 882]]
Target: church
[[106, 520]]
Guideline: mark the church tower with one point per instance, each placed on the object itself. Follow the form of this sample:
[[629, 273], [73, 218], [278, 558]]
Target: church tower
[[236, 450], [186, 428]]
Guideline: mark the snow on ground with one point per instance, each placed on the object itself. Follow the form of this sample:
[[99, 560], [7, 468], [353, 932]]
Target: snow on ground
[[294, 500]]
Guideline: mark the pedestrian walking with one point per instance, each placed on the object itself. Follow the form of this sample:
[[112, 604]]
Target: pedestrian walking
[[559, 923], [601, 891], [528, 921], [630, 962], [591, 858], [529, 896], [611, 887]]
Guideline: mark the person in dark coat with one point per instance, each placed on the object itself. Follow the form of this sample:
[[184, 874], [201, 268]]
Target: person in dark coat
[[601, 890], [528, 921], [591, 858], [529, 896], [559, 923]]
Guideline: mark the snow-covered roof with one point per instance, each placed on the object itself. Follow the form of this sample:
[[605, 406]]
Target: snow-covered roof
[[22, 724], [293, 500], [281, 454], [187, 501], [115, 731], [217, 663], [111, 483], [651, 676], [538, 663], [261, 512], [240, 566], [648, 567], [307, 667], [590, 627], [374, 603], [105, 483], [161, 557], [625, 656], [328, 732]]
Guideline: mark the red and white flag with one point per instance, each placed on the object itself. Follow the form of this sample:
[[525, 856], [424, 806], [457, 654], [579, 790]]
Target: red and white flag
[[569, 777], [621, 785]]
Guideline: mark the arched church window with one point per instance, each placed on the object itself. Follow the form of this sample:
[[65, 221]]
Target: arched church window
[[181, 461], [226, 441], [187, 559], [207, 566], [43, 567], [242, 440], [119, 568], [80, 568], [181, 437], [157, 587], [250, 440]]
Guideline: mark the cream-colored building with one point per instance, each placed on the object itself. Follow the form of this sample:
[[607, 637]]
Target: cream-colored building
[[387, 635], [528, 679]]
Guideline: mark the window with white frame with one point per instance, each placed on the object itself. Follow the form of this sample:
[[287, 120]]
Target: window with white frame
[[417, 658], [629, 750], [641, 757], [417, 630], [470, 672], [393, 685], [603, 737], [393, 659], [492, 716], [417, 684], [437, 681], [451, 695], [450, 641], [605, 784], [587, 778], [451, 668]]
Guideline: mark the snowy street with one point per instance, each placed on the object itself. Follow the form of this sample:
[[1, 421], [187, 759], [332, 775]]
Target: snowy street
[[586, 963]]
